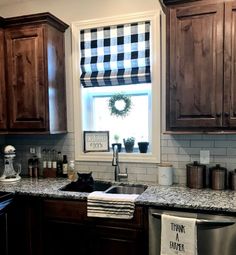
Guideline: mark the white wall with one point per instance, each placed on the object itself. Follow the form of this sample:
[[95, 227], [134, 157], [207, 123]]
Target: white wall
[[74, 10]]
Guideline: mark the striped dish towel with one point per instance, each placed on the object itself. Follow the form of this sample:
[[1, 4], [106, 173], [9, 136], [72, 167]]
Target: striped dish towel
[[118, 206]]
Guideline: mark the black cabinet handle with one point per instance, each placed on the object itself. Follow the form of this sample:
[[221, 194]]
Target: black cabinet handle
[[218, 115], [226, 114]]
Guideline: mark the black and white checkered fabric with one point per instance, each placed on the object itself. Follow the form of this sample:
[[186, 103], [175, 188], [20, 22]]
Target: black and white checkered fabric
[[115, 55]]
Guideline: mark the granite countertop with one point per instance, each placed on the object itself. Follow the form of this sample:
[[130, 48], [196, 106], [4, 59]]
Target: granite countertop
[[161, 196], [183, 197]]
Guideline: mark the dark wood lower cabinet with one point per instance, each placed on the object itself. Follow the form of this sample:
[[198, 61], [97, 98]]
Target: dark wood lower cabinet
[[68, 230], [53, 226], [25, 227], [3, 234], [63, 238], [116, 241]]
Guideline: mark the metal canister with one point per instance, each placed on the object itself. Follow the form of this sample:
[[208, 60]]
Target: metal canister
[[218, 177], [232, 180], [196, 175]]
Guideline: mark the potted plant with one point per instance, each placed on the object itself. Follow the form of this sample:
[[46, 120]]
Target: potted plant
[[116, 138], [143, 147], [129, 144]]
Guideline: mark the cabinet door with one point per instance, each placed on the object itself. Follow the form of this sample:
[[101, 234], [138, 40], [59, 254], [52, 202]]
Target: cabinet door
[[26, 78], [194, 90], [24, 227], [3, 122], [3, 234], [112, 240], [65, 238], [230, 65]]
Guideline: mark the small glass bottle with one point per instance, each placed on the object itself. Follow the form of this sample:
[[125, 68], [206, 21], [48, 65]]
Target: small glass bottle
[[54, 163], [49, 160], [30, 167], [44, 159], [71, 171], [59, 164], [64, 166], [35, 167]]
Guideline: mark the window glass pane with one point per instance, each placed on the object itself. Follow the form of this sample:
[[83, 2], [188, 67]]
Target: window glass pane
[[137, 123]]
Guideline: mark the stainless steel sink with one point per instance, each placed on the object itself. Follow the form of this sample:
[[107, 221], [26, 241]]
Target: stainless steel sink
[[97, 186], [126, 189], [107, 187]]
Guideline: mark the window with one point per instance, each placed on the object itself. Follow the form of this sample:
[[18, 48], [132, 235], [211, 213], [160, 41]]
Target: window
[[91, 100], [96, 113]]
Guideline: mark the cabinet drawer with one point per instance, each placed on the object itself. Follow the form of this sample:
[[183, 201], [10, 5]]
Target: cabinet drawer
[[65, 210], [77, 211]]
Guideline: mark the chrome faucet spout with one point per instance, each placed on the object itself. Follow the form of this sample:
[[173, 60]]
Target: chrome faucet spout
[[115, 163], [115, 156]]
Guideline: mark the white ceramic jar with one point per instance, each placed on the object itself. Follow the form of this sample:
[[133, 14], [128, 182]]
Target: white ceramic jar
[[165, 174]]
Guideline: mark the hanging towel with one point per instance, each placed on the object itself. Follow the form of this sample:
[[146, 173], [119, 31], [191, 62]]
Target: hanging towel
[[178, 235], [119, 206]]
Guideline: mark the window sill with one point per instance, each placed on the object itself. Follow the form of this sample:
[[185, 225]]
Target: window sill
[[123, 157]]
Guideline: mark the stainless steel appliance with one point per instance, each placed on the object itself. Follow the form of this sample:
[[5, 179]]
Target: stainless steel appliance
[[216, 235]]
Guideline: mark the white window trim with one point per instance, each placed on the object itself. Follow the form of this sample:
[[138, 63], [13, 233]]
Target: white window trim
[[155, 155]]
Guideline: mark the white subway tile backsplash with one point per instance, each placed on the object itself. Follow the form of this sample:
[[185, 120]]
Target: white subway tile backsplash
[[147, 178], [152, 171], [164, 157], [170, 150], [164, 143], [179, 150], [178, 143], [189, 151], [225, 144], [231, 151], [187, 137], [218, 151], [182, 180], [202, 144], [132, 177], [179, 158]]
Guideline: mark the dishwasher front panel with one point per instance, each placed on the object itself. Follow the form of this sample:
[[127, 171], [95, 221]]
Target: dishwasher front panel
[[216, 235]]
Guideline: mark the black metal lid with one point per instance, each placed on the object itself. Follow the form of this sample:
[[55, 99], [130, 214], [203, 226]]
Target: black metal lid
[[217, 167], [196, 163]]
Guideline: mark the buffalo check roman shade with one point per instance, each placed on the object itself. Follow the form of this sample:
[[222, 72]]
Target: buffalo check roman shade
[[115, 55]]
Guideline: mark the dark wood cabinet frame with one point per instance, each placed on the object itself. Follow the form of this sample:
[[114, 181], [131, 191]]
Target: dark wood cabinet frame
[[201, 95], [32, 75]]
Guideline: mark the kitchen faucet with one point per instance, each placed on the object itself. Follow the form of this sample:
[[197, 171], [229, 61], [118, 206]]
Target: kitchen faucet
[[115, 163]]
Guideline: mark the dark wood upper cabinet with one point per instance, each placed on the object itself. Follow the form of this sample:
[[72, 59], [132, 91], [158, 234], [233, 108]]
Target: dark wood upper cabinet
[[201, 71], [230, 65], [35, 72], [3, 111]]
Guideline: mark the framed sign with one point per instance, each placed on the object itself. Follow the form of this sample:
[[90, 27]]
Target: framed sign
[[96, 141]]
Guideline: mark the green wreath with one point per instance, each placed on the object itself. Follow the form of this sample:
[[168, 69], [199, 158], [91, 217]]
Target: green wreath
[[119, 112]]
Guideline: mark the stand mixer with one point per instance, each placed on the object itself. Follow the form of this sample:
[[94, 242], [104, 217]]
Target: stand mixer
[[10, 174]]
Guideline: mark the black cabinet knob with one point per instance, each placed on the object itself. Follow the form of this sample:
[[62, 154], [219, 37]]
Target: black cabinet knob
[[226, 114], [218, 115]]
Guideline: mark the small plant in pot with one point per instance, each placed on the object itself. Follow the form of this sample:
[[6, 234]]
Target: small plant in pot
[[116, 138], [143, 147], [129, 144]]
